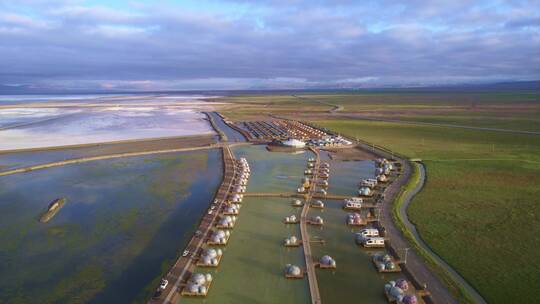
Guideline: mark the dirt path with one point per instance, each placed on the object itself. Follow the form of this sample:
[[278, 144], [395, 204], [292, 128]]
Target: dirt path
[[335, 107]]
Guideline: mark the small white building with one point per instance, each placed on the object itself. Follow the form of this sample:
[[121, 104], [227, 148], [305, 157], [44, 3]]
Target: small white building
[[295, 143]]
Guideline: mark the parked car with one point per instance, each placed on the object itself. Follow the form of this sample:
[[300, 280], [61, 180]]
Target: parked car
[[163, 284], [369, 232], [186, 253]]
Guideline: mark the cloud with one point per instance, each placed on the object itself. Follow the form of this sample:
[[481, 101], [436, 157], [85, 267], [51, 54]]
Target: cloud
[[276, 44]]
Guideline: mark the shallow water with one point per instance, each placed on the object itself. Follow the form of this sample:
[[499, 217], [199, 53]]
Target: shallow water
[[251, 269], [253, 261], [16, 160], [273, 171], [99, 125], [72, 121], [124, 223], [232, 134], [355, 279]]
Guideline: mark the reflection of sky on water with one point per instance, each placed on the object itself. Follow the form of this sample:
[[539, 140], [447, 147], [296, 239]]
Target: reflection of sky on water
[[97, 98], [17, 116], [44, 127]]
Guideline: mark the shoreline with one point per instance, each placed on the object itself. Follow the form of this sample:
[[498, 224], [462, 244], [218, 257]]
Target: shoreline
[[110, 143]]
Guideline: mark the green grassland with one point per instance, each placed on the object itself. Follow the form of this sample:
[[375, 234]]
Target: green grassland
[[251, 107], [480, 206], [514, 111], [518, 111]]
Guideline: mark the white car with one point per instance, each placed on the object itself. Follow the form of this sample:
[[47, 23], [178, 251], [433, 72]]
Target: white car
[[163, 284], [185, 253], [210, 212]]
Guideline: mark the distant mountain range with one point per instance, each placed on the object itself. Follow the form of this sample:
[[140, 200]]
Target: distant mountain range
[[532, 86]]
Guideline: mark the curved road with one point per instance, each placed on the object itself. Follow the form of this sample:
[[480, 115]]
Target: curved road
[[415, 263], [412, 228]]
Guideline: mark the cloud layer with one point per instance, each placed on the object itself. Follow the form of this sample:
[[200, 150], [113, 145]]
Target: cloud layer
[[266, 44]]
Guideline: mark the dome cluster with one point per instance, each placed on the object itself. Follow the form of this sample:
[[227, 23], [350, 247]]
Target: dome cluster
[[211, 256], [385, 262], [317, 220], [292, 270], [220, 237], [327, 262], [364, 191], [291, 241], [198, 283], [317, 204], [297, 203], [354, 219], [227, 221], [232, 209], [291, 219], [396, 290]]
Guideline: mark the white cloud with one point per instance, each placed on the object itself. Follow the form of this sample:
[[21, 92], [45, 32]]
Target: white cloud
[[265, 44]]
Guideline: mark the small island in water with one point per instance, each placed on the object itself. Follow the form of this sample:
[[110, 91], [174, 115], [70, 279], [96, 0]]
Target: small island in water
[[52, 209]]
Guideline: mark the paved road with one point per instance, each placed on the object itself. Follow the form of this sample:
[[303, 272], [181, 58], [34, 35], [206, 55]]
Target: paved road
[[412, 228], [415, 263]]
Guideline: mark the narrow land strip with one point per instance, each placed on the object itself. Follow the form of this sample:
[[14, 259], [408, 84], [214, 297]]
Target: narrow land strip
[[111, 156]]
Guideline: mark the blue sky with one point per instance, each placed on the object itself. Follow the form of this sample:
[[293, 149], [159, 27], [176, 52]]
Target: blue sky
[[164, 45]]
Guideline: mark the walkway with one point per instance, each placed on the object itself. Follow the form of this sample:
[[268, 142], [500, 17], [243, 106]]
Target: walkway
[[310, 267], [297, 195]]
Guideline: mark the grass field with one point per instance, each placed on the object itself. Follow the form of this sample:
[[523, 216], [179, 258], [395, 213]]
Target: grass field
[[514, 111], [480, 207]]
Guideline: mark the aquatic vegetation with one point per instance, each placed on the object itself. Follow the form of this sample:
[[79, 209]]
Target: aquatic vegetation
[[130, 216]]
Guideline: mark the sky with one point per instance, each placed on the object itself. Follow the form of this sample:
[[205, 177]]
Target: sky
[[262, 44]]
